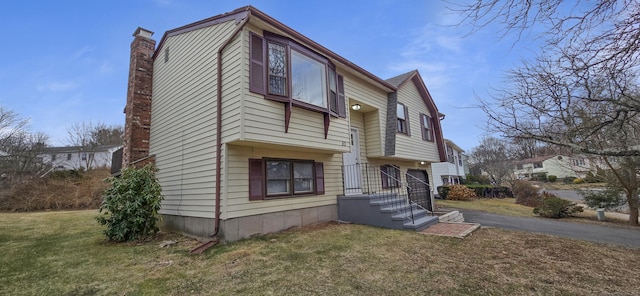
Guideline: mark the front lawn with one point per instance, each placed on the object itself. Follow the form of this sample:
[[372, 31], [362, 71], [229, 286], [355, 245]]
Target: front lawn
[[64, 253]]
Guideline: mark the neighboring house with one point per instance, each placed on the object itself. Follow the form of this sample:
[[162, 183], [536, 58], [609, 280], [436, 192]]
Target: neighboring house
[[453, 170], [560, 166], [74, 158], [255, 128]]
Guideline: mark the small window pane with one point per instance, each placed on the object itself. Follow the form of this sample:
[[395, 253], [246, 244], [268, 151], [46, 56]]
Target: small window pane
[[401, 112], [278, 177], [277, 69], [303, 177], [309, 83]]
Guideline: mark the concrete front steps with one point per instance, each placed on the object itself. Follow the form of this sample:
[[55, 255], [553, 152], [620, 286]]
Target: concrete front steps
[[388, 210]]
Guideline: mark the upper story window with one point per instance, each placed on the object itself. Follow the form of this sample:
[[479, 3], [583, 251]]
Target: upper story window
[[578, 162], [286, 71], [53, 157], [459, 158], [519, 166], [68, 156], [427, 127], [403, 119], [537, 165]]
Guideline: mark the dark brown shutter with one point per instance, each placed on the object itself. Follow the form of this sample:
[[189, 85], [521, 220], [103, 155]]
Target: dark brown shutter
[[384, 177], [422, 127], [342, 111], [319, 178], [406, 119], [256, 73], [256, 179]]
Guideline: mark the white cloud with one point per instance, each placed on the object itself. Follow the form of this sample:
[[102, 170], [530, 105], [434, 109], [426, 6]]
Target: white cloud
[[58, 86]]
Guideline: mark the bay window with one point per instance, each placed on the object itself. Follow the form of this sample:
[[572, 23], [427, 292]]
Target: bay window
[[285, 71]]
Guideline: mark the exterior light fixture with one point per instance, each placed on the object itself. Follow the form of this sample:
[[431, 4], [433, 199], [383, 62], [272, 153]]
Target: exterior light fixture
[[356, 107], [423, 162]]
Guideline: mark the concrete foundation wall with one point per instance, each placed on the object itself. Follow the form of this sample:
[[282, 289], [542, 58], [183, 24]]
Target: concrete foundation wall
[[245, 227]]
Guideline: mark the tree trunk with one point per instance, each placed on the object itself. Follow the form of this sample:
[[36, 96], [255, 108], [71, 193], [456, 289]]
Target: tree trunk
[[632, 201]]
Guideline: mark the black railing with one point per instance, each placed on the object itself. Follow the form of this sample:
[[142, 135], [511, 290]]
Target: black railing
[[116, 161], [384, 186], [420, 192]]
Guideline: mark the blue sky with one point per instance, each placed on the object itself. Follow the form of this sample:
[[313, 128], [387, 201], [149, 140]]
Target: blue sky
[[67, 61]]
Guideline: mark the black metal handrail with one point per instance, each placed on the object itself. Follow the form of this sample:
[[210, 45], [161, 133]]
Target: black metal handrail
[[421, 199], [393, 193]]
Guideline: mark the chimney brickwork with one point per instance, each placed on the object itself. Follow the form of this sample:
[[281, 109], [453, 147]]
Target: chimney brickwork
[[138, 108]]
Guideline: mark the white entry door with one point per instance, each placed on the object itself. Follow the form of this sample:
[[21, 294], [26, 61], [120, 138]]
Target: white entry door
[[352, 167]]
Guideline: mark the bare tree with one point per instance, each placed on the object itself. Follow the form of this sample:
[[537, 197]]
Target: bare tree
[[582, 93], [22, 157], [87, 137], [493, 156]]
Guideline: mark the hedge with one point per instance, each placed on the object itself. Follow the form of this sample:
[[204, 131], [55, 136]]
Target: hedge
[[482, 191]]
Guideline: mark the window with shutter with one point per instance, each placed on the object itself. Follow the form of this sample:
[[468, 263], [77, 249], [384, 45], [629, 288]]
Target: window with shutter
[[277, 178], [426, 127], [403, 119], [289, 72]]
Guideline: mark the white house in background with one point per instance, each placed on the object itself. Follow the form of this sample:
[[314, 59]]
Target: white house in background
[[73, 157], [453, 170], [560, 166]]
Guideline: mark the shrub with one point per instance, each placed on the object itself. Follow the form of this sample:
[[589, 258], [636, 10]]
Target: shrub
[[554, 207], [490, 191], [443, 191], [460, 192], [526, 194], [542, 177], [131, 204], [607, 199], [568, 180], [552, 178], [578, 181], [591, 178]]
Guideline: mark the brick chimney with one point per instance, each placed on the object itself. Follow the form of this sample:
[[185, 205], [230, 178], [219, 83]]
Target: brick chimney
[[138, 108]]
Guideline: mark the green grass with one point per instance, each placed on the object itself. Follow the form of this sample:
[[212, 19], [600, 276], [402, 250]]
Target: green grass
[[503, 206], [64, 253]]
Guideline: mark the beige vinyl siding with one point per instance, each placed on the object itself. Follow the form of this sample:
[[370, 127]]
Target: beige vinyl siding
[[404, 167], [263, 120], [374, 121], [232, 85], [237, 202], [414, 147], [183, 120]]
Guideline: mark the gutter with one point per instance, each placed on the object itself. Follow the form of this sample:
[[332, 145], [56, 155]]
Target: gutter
[[218, 143]]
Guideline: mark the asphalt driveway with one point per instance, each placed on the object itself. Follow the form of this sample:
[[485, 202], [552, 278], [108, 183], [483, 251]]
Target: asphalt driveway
[[589, 232]]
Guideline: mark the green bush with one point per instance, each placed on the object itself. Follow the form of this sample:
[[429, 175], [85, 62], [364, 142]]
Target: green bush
[[526, 194], [554, 207], [568, 180], [607, 199], [490, 191], [131, 204], [552, 178], [541, 177], [479, 179], [443, 191]]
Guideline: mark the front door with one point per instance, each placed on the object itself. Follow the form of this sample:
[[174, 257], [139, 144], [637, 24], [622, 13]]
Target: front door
[[352, 167], [419, 191]]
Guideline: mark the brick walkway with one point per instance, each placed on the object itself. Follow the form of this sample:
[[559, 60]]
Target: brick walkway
[[459, 230]]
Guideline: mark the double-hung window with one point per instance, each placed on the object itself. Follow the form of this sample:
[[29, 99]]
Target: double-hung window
[[427, 127], [286, 71], [403, 119], [277, 178], [390, 175]]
